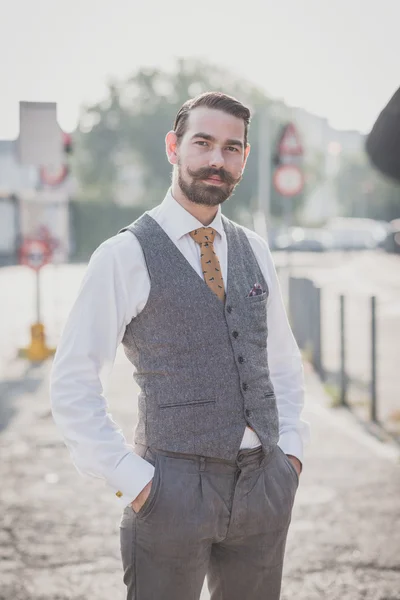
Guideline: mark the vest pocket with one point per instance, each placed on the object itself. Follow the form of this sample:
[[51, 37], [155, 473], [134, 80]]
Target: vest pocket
[[256, 299], [185, 402]]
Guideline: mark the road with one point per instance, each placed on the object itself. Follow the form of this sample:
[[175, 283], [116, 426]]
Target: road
[[59, 532]]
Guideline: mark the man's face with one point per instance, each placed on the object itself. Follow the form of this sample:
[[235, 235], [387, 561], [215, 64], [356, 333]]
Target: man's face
[[211, 156]]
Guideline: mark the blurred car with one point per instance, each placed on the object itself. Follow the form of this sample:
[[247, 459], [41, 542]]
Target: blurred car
[[304, 239], [351, 233], [352, 239], [392, 242]]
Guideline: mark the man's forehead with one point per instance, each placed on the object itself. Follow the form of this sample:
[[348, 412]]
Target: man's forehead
[[215, 122]]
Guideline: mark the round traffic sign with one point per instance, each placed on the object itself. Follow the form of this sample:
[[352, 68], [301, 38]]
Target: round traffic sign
[[53, 176], [288, 180], [35, 254]]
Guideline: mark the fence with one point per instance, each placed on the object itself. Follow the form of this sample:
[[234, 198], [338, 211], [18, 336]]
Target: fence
[[353, 343]]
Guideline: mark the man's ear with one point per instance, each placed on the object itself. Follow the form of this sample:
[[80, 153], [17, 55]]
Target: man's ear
[[246, 155], [171, 147]]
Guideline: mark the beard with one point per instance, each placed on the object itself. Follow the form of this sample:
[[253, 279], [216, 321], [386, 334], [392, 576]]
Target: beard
[[199, 192]]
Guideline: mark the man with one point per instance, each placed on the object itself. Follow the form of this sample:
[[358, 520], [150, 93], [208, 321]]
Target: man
[[193, 298], [383, 142]]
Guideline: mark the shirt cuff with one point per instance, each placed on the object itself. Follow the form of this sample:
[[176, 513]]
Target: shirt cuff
[[292, 443], [129, 478]]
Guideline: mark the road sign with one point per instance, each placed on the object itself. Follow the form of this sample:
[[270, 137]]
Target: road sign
[[52, 175], [288, 180], [35, 254], [289, 143]]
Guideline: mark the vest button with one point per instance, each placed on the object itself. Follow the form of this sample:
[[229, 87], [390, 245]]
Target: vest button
[[241, 359], [247, 412], [229, 309], [245, 387], [235, 334]]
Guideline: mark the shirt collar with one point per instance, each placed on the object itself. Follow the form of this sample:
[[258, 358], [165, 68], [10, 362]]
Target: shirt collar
[[177, 221]]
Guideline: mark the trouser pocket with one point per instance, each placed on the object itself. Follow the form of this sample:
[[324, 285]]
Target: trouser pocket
[[151, 500], [291, 466]]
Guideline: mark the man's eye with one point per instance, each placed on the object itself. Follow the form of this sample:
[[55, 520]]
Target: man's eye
[[201, 143], [232, 149]]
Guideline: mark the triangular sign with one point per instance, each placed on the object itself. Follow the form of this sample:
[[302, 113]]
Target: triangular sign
[[289, 144]]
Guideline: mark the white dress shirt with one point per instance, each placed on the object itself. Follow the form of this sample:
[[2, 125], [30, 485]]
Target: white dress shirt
[[114, 290]]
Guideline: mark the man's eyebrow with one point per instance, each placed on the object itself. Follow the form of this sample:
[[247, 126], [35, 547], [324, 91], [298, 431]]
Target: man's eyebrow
[[205, 136], [211, 138], [234, 143]]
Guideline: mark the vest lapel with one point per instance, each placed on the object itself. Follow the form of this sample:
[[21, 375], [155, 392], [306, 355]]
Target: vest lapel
[[179, 258]]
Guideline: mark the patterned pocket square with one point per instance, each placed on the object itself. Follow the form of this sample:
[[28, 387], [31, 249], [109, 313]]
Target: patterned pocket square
[[256, 290]]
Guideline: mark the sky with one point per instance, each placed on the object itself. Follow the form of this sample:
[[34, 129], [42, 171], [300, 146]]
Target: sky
[[336, 58]]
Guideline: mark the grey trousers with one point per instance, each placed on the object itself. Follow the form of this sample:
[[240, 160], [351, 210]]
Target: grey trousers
[[206, 517]]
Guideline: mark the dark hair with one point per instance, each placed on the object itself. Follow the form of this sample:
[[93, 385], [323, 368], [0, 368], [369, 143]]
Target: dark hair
[[217, 101]]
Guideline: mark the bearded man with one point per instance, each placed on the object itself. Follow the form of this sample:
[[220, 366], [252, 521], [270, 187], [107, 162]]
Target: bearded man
[[208, 488]]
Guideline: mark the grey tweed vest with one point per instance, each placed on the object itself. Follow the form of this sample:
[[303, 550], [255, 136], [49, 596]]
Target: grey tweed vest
[[201, 364]]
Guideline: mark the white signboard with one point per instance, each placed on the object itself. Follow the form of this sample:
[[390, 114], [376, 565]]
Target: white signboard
[[40, 141]]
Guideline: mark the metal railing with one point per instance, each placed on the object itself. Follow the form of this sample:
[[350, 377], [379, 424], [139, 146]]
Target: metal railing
[[350, 348]]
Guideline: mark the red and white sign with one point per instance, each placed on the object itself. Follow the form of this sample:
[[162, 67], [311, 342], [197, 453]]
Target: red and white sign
[[289, 144], [288, 180], [53, 176], [35, 254]]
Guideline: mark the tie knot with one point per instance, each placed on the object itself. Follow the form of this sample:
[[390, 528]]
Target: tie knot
[[203, 235]]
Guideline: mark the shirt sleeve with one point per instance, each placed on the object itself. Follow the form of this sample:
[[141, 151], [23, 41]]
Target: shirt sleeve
[[284, 359], [83, 361]]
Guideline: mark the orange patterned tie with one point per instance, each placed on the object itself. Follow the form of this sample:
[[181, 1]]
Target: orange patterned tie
[[209, 260]]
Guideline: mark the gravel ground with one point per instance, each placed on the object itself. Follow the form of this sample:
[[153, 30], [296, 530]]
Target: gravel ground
[[59, 535]]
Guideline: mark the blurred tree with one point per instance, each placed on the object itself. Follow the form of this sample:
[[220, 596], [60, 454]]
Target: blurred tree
[[364, 192], [129, 127]]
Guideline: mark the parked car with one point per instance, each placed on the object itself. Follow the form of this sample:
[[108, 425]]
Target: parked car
[[392, 242], [304, 239], [350, 233]]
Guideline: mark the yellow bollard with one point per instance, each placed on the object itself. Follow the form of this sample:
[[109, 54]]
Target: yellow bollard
[[37, 351], [35, 254]]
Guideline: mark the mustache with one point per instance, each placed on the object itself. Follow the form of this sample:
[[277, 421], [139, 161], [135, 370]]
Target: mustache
[[206, 172]]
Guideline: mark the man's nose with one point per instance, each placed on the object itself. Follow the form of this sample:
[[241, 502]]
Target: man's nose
[[216, 158]]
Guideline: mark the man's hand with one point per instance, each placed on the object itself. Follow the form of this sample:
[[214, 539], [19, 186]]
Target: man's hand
[[141, 498], [296, 463]]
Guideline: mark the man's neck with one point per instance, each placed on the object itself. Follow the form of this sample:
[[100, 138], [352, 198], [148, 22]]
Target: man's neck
[[204, 214]]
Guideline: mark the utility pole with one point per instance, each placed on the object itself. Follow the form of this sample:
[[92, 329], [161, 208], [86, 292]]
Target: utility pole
[[262, 215]]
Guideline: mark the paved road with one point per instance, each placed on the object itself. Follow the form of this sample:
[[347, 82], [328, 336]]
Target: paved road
[[59, 532]]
